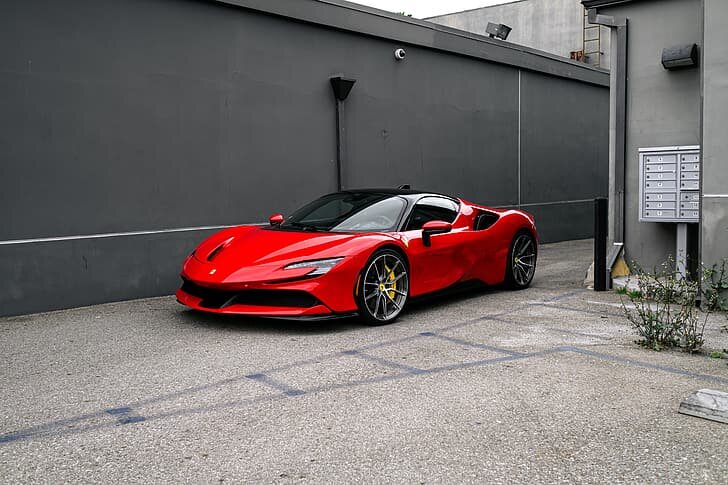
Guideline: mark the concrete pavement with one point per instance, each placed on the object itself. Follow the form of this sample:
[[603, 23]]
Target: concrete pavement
[[542, 385]]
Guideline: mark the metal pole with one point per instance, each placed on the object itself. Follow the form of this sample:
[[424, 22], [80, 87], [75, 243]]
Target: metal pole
[[682, 250], [600, 243], [618, 142], [620, 153]]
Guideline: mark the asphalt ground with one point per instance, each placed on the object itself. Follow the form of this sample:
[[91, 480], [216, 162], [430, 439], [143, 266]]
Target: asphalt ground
[[543, 385]]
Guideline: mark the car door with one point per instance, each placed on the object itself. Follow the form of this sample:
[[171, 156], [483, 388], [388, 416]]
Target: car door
[[433, 267]]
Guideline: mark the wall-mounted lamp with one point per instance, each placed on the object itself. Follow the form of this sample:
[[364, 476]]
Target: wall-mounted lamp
[[341, 86], [680, 57], [500, 31]]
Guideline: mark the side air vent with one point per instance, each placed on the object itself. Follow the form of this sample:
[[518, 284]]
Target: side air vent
[[217, 250], [484, 220]]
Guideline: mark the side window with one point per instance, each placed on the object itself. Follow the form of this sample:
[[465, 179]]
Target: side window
[[431, 209]]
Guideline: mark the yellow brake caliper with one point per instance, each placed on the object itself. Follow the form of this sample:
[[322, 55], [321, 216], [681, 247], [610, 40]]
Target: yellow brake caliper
[[392, 283]]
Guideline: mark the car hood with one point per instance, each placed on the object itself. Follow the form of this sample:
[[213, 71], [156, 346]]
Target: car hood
[[256, 245]]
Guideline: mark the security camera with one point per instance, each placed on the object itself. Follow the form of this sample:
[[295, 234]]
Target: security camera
[[399, 54]]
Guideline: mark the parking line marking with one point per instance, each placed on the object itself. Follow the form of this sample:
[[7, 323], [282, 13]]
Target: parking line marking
[[385, 362], [605, 303], [581, 334], [645, 365], [465, 343], [566, 295], [127, 415], [58, 428], [279, 386], [114, 411], [472, 321], [62, 427], [581, 310], [550, 329], [131, 419]]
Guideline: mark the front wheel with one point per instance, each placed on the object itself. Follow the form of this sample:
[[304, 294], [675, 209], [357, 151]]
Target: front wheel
[[383, 288], [521, 264]]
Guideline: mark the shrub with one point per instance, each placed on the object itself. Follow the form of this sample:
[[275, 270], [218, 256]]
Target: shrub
[[715, 284], [663, 310]]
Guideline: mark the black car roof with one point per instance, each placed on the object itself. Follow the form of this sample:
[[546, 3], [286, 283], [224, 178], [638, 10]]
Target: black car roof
[[391, 191]]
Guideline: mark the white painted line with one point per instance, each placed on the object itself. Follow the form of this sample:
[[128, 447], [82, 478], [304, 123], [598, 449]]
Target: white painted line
[[616, 305], [114, 234], [558, 202]]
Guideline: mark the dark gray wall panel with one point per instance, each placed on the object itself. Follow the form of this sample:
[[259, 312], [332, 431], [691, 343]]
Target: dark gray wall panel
[[137, 115], [70, 273], [554, 221], [439, 123], [140, 115], [564, 140]]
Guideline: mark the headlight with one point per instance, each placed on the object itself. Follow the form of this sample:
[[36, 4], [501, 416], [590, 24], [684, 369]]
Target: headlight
[[321, 266]]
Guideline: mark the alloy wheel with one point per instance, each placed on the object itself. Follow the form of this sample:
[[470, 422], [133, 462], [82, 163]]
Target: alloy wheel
[[385, 287], [523, 259]]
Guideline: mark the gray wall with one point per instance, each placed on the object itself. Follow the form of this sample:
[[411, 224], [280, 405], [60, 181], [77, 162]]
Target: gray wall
[[714, 234], [141, 121], [663, 108]]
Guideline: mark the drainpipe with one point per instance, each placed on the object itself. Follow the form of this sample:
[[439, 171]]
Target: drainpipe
[[342, 87], [617, 142]]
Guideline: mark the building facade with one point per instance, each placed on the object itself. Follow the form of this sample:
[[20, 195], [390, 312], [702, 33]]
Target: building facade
[[652, 106], [555, 26]]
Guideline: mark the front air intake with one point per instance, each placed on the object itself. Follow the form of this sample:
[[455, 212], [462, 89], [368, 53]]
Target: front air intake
[[217, 299]]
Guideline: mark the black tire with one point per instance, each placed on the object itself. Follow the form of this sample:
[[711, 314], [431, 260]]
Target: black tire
[[383, 288], [521, 263]]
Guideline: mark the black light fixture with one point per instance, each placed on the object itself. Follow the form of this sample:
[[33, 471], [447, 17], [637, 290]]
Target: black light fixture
[[680, 57], [342, 87], [500, 31]]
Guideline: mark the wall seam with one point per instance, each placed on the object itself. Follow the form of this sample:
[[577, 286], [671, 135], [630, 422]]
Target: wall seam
[[519, 138]]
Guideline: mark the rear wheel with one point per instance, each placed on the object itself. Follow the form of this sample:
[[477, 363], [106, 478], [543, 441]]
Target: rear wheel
[[383, 288], [521, 264]]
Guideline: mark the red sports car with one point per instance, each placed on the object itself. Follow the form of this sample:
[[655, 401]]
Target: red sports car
[[362, 252]]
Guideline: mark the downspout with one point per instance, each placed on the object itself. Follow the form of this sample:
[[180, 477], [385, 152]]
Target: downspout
[[618, 146], [341, 87]]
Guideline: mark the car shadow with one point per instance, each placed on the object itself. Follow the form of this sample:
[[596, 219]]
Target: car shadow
[[241, 323], [455, 294]]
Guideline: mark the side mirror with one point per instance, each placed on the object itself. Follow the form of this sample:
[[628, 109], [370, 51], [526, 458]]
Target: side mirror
[[275, 219], [431, 228]]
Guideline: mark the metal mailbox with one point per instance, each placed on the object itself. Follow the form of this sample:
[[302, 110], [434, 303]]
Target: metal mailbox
[[670, 184]]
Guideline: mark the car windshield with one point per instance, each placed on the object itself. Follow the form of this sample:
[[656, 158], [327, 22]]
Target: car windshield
[[348, 212]]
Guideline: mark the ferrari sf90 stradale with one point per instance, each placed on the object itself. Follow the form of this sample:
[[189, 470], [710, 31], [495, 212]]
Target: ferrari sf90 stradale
[[364, 252]]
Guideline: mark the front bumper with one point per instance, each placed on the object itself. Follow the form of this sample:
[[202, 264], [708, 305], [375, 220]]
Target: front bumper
[[267, 290], [278, 302]]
